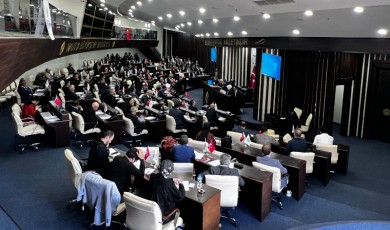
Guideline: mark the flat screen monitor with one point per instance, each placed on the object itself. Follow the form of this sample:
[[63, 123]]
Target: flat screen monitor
[[270, 65], [213, 53], [210, 82]]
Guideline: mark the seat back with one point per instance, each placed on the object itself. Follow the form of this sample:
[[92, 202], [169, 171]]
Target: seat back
[[329, 148], [256, 145], [62, 83], [171, 104], [78, 122], [61, 91], [200, 146], [74, 168], [129, 126], [276, 175], [62, 97], [228, 186], [306, 127], [306, 156], [97, 97], [18, 124], [142, 214], [18, 98], [298, 111], [16, 109], [287, 138], [204, 120], [170, 123], [183, 167], [235, 136], [118, 111]]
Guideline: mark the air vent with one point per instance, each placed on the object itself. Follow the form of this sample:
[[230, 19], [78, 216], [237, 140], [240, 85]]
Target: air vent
[[272, 2]]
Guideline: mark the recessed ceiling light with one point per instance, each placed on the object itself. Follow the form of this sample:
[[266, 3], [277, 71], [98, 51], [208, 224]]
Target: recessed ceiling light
[[244, 32], [236, 18], [182, 13], [189, 23], [139, 3], [182, 25], [309, 13], [229, 33], [160, 18], [358, 9], [130, 10], [153, 22], [296, 32], [101, 4], [266, 16], [150, 0], [169, 15], [102, 1], [216, 34], [207, 35], [202, 10], [215, 20], [197, 35], [382, 31], [105, 8], [200, 22], [89, 4], [201, 35], [132, 7], [100, 9]]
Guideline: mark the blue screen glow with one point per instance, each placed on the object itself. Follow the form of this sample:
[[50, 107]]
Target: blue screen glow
[[270, 65], [213, 54]]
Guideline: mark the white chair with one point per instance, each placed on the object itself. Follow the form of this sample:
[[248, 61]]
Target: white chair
[[26, 131], [171, 125], [97, 97], [298, 111], [79, 125], [287, 138], [306, 127], [206, 120], [62, 83], [142, 214], [256, 145], [271, 133], [199, 146], [329, 148], [129, 129], [183, 167], [276, 181], [62, 97], [18, 99], [61, 91], [65, 71], [306, 156], [170, 103], [16, 109], [235, 136], [229, 193], [118, 110], [74, 170]]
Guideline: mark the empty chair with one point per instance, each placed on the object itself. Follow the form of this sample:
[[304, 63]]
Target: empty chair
[[26, 131], [129, 129], [329, 148], [142, 214], [298, 111], [306, 127], [183, 167], [276, 181], [74, 170], [79, 125], [200, 146], [306, 156], [171, 125], [287, 138], [229, 193]]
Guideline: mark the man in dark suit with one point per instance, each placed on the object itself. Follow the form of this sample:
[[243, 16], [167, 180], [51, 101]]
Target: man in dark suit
[[297, 144], [110, 99], [89, 115], [98, 155], [122, 168], [224, 170], [138, 125], [183, 153], [241, 128], [178, 115], [70, 94], [24, 91], [212, 115]]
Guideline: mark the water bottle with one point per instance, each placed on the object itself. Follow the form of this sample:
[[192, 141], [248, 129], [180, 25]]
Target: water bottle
[[199, 182]]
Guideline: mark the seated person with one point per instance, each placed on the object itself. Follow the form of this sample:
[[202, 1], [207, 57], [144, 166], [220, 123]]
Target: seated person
[[122, 168], [267, 160], [110, 99], [40, 79], [89, 115], [24, 91], [323, 137], [178, 115], [75, 80], [160, 106], [70, 94], [98, 154], [166, 191], [193, 106], [30, 108], [224, 170], [212, 115], [146, 97], [221, 83], [241, 128], [70, 68], [205, 134], [138, 125], [183, 153], [263, 138], [297, 144], [74, 107]]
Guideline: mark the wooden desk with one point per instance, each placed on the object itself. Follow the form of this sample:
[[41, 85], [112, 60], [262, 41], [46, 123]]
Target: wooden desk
[[257, 191], [157, 129], [296, 168], [281, 126], [342, 163], [114, 125]]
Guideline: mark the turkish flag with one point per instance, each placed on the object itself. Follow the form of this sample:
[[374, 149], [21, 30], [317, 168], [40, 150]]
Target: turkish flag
[[128, 36], [57, 101], [211, 146], [147, 154], [242, 137]]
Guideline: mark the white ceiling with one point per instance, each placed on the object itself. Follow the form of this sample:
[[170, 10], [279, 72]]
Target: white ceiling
[[332, 18]]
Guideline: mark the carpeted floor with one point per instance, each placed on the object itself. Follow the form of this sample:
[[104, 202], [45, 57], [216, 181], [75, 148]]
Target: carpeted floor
[[35, 187]]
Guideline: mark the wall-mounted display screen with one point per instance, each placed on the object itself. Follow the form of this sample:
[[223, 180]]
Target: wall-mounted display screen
[[271, 65]]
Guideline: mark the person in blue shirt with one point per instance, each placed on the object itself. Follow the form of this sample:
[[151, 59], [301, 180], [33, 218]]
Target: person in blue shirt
[[297, 144], [183, 153]]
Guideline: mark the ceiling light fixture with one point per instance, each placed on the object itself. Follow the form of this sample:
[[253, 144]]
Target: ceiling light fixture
[[202, 10], [89, 4], [266, 16], [189, 23], [200, 22], [197, 35], [101, 4], [160, 18], [207, 35], [182, 13], [102, 1], [216, 34], [132, 7], [229, 33], [358, 9], [139, 3], [382, 31], [182, 25], [244, 32], [169, 15], [215, 20], [308, 13], [296, 32], [202, 35], [236, 18]]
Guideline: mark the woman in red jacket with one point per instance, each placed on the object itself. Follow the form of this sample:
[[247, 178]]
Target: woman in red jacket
[[30, 108]]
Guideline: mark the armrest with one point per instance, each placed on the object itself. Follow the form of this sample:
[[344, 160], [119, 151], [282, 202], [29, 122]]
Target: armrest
[[174, 211]]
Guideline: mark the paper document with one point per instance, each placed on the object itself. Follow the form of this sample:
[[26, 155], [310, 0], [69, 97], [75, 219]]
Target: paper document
[[112, 151], [150, 118], [186, 185], [99, 112], [104, 116], [192, 185], [198, 155], [214, 162]]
